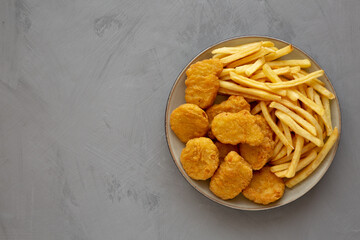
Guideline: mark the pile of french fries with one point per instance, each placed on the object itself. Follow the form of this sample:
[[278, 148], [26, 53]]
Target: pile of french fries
[[294, 102]]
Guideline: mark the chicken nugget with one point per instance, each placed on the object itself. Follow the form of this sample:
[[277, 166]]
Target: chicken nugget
[[265, 187], [201, 90], [232, 176], [234, 128], [200, 158], [189, 121], [206, 67], [259, 155], [224, 149], [233, 104]]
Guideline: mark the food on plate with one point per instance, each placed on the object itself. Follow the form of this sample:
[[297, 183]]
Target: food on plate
[[202, 82], [283, 135], [265, 187], [189, 121], [232, 176], [200, 158], [224, 149], [235, 128], [257, 156]]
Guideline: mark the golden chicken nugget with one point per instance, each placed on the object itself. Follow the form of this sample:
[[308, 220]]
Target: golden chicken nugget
[[235, 128], [224, 149], [259, 155], [200, 158], [189, 121], [265, 187], [201, 90], [232, 176], [206, 67]]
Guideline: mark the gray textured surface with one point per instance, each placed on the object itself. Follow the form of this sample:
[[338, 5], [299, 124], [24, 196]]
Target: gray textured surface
[[83, 88]]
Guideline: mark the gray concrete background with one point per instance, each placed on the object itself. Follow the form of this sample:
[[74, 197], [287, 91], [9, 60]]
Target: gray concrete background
[[83, 89]]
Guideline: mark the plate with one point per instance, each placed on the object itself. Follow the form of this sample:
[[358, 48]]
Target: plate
[[177, 97]]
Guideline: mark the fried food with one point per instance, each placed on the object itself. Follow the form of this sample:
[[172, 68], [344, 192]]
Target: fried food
[[189, 121], [258, 156], [201, 90], [224, 149], [265, 187], [206, 67], [202, 82], [232, 176], [235, 128], [232, 104], [200, 158]]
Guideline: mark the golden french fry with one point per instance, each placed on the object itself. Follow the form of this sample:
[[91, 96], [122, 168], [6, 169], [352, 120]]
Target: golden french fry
[[232, 50], [295, 69], [241, 54], [225, 78], [256, 109], [305, 149], [310, 93], [303, 63], [327, 115], [242, 69], [270, 74], [255, 66], [281, 154], [303, 174], [302, 163], [277, 148], [279, 71], [273, 125], [302, 72], [301, 88], [322, 90], [226, 72], [249, 91], [296, 82], [287, 134], [299, 144], [263, 51], [220, 55], [248, 98], [297, 129], [254, 84], [316, 108], [279, 53], [305, 124]]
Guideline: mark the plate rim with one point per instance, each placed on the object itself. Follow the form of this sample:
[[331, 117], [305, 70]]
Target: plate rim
[[214, 199]]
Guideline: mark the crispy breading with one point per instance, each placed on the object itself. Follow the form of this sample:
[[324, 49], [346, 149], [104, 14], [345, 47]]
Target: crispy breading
[[265, 187], [205, 67], [189, 121], [259, 155], [201, 90], [200, 158], [232, 176], [235, 128], [224, 149]]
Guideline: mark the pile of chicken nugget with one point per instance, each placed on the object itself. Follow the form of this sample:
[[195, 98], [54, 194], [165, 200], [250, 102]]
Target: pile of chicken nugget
[[230, 143]]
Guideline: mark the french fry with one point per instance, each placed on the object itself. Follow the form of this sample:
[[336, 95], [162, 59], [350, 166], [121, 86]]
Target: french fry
[[256, 109], [302, 72], [323, 91], [226, 72], [316, 108], [232, 50], [310, 93], [270, 74], [296, 82], [249, 91], [263, 51], [287, 134], [326, 120], [273, 126], [253, 83], [248, 98], [225, 78], [278, 71], [295, 69], [280, 154], [302, 163], [220, 55], [305, 124], [279, 53], [255, 66], [241, 54], [306, 148], [303, 63], [242, 69], [297, 129], [277, 148], [303, 174], [327, 115], [299, 144]]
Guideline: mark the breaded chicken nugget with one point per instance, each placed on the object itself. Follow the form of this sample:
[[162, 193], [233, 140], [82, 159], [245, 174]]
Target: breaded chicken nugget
[[189, 121], [265, 187], [201, 90], [206, 67], [233, 104], [234, 128], [259, 155], [200, 158], [232, 176], [224, 149]]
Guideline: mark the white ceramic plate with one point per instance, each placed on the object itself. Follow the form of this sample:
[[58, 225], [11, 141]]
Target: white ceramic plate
[[177, 97]]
